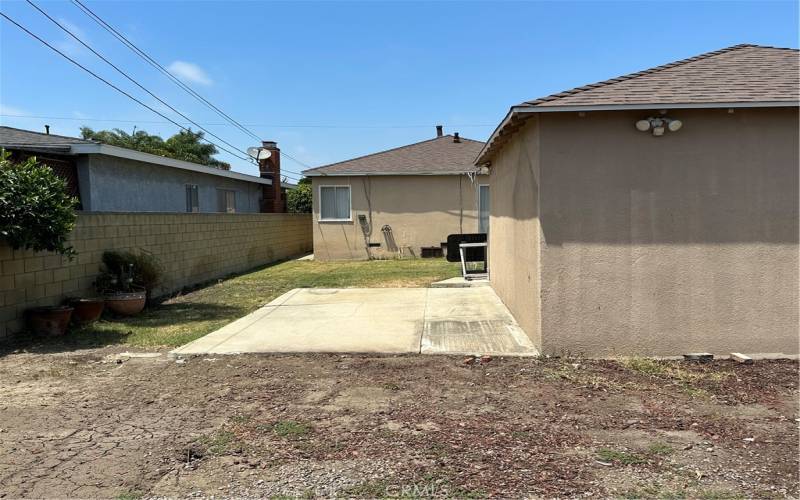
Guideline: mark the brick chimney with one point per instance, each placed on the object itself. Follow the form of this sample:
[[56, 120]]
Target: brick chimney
[[270, 168]]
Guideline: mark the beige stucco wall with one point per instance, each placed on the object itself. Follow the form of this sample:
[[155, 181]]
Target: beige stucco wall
[[515, 232], [661, 246], [421, 210]]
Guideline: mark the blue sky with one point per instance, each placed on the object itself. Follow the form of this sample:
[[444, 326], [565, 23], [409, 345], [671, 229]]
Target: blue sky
[[334, 80]]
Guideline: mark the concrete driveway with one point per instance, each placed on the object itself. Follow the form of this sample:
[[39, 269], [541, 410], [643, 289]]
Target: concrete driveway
[[373, 320]]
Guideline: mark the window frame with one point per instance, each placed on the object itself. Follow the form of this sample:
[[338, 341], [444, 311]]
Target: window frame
[[193, 209], [349, 202], [226, 210], [488, 209]]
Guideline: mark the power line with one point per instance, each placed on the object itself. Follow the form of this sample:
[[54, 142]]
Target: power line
[[141, 53], [119, 36], [277, 125], [70, 33], [126, 94]]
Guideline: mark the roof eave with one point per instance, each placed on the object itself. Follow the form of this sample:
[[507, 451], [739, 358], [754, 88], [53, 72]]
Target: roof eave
[[369, 174], [526, 109], [130, 154]]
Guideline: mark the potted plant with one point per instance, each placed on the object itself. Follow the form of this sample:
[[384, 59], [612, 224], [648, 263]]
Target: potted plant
[[52, 321], [126, 281], [37, 213], [87, 310]]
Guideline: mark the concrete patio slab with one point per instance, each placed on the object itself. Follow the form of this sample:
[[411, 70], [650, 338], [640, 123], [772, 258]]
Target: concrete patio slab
[[372, 320], [460, 282]]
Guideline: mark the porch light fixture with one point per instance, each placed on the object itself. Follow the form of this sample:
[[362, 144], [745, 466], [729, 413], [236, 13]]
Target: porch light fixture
[[658, 125]]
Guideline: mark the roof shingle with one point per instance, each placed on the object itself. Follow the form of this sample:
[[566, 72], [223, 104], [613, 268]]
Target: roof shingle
[[742, 74], [10, 137], [441, 155]]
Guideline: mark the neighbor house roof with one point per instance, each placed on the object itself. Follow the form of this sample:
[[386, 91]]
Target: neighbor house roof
[[738, 76], [27, 140], [439, 156]]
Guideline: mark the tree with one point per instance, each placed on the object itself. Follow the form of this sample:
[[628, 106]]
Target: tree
[[36, 211], [185, 145], [298, 200]]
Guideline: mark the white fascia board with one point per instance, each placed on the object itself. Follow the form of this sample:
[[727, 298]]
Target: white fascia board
[[130, 154], [371, 174], [622, 107]]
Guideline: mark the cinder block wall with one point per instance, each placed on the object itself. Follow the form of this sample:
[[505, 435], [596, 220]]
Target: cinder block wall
[[192, 248]]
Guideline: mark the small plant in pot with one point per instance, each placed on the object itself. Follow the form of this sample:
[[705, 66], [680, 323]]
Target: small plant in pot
[[127, 280], [37, 213]]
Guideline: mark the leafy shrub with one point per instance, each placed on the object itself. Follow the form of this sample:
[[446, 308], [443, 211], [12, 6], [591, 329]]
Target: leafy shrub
[[36, 211], [298, 200], [128, 272]]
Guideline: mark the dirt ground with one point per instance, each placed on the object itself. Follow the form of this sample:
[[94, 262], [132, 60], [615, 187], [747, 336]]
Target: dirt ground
[[97, 424]]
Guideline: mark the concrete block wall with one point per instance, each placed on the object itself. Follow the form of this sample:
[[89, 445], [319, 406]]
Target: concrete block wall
[[192, 248]]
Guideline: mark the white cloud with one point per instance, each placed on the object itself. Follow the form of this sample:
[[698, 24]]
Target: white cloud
[[11, 110], [69, 44], [189, 72]]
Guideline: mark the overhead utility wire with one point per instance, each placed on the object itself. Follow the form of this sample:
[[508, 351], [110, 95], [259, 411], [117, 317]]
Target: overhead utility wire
[[141, 53], [89, 119], [70, 33], [126, 94]]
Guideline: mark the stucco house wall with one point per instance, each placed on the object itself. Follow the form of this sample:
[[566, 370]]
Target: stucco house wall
[[112, 184], [420, 209], [515, 231], [657, 245]]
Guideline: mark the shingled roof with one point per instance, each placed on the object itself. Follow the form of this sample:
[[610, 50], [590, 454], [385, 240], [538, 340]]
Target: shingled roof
[[742, 75], [27, 139], [441, 155]]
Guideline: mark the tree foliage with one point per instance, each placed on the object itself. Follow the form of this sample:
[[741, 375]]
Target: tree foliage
[[36, 210], [185, 145], [298, 200]]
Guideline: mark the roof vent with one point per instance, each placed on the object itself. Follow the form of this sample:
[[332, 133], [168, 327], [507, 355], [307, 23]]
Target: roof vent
[[47, 129], [456, 138], [439, 130]]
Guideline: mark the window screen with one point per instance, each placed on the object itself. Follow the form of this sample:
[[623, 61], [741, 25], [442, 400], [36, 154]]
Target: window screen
[[334, 202], [226, 200], [483, 209], [192, 198]]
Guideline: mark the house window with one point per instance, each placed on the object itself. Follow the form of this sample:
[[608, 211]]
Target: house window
[[226, 200], [483, 208], [334, 203], [192, 198]]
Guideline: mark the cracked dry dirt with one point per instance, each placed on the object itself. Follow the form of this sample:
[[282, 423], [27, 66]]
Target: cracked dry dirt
[[77, 425]]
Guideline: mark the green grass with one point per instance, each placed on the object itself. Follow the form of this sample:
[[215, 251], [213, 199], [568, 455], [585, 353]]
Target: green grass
[[660, 449], [190, 316], [218, 443], [291, 429], [621, 457]]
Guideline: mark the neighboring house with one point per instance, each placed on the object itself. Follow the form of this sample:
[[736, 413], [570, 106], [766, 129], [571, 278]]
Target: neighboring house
[[608, 240], [114, 179], [396, 202]]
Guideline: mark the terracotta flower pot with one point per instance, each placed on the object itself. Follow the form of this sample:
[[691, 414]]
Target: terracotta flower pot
[[87, 310], [126, 304], [52, 321]]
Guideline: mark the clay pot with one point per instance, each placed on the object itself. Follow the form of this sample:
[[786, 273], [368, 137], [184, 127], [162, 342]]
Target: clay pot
[[126, 304], [52, 321], [87, 310]]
